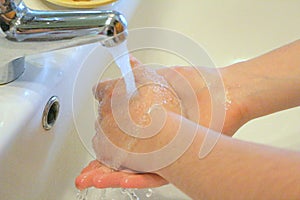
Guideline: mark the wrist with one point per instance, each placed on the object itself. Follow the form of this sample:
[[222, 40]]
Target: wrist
[[267, 83], [236, 88], [258, 89]]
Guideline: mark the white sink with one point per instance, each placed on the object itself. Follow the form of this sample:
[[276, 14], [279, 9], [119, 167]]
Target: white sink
[[40, 164]]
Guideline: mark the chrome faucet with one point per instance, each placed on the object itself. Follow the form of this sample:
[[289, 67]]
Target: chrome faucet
[[27, 31]]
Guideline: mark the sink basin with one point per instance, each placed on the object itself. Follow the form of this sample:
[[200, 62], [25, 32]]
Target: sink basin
[[42, 164]]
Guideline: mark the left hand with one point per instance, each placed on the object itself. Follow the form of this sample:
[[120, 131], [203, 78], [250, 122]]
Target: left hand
[[100, 176]]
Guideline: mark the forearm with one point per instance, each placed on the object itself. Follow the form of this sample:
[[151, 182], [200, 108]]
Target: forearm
[[236, 170], [268, 83]]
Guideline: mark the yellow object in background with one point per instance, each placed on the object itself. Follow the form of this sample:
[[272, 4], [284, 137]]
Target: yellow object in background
[[81, 3]]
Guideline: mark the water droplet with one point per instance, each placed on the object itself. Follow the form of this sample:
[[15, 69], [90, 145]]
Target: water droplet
[[123, 191], [82, 194], [149, 193], [130, 193], [228, 101], [156, 89]]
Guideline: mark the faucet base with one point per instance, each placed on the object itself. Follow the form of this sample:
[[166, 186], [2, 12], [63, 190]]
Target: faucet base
[[12, 70]]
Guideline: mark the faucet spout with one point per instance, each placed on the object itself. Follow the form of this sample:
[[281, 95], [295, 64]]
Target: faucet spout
[[28, 31]]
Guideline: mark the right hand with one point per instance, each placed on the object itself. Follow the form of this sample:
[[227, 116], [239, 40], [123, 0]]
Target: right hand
[[233, 120], [234, 108]]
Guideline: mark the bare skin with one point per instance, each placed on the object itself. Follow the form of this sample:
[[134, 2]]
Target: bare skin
[[251, 169], [103, 92]]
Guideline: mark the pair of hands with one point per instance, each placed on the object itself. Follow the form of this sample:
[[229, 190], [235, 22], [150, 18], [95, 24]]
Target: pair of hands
[[178, 101]]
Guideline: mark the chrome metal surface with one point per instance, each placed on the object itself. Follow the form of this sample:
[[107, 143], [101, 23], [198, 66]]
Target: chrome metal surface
[[28, 31], [50, 113], [8, 5]]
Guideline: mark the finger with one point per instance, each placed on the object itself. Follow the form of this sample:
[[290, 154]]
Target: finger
[[110, 180], [142, 73], [134, 62], [92, 165], [178, 74], [85, 180], [142, 181], [103, 88], [187, 83]]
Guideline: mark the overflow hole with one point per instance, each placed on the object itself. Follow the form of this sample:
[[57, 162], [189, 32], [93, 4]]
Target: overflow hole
[[50, 113]]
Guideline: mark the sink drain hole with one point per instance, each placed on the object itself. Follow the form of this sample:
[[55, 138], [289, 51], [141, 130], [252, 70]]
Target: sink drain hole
[[50, 113]]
